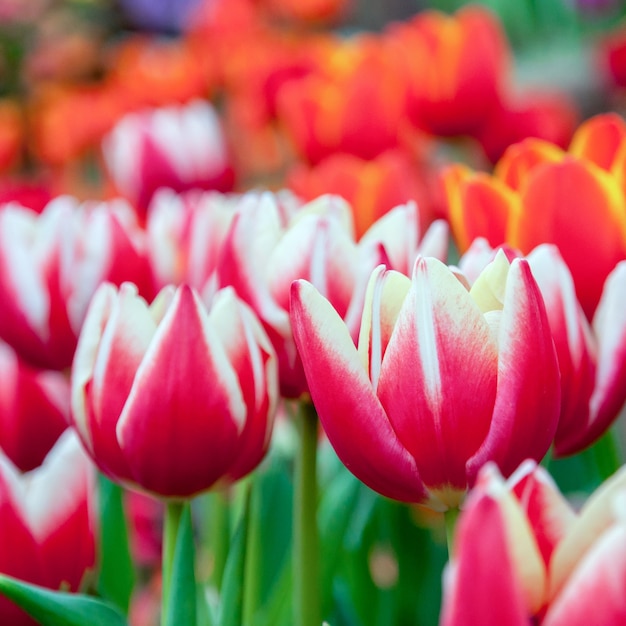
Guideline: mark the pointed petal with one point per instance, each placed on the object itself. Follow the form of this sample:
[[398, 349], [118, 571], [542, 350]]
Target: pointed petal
[[550, 200], [316, 248], [478, 206], [253, 359], [179, 426], [594, 593], [385, 294], [609, 324], [528, 398], [115, 336], [438, 376], [598, 139], [549, 513], [573, 342], [481, 591], [348, 408], [596, 516], [521, 158]]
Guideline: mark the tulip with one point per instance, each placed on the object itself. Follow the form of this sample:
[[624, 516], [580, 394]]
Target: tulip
[[547, 564], [592, 359], [536, 191], [47, 521], [265, 251], [34, 410], [323, 112], [50, 266], [395, 410], [168, 397], [454, 67], [180, 147]]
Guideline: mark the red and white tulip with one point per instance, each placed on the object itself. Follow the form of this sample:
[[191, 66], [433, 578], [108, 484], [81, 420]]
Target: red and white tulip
[[170, 397], [444, 379]]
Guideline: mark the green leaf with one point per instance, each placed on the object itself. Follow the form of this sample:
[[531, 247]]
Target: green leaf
[[57, 608], [181, 604], [231, 613], [116, 578]]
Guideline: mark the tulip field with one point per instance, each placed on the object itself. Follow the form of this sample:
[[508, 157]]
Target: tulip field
[[312, 313]]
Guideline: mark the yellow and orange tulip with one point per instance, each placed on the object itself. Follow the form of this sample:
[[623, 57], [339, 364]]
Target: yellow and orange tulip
[[540, 193]]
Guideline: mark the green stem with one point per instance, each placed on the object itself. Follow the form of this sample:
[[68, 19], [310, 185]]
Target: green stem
[[252, 571], [219, 534], [450, 517], [306, 596], [173, 512]]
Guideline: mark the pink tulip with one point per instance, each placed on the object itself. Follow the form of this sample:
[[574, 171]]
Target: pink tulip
[[50, 266], [170, 397], [34, 409], [443, 380], [47, 522], [547, 564], [267, 249], [592, 357], [179, 147]]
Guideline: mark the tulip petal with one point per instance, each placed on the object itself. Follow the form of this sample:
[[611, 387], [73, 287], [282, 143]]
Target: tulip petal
[[348, 408], [478, 206], [596, 516], [483, 591], [253, 359], [438, 376], [520, 159], [594, 593], [254, 234], [557, 211], [609, 394], [115, 336], [527, 403], [548, 512], [317, 249], [185, 403], [573, 341], [598, 139]]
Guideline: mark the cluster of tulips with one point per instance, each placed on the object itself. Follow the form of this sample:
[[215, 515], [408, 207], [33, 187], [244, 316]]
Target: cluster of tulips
[[443, 334]]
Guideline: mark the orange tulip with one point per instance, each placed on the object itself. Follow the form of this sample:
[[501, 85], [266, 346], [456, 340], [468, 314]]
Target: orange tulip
[[455, 68], [542, 194], [355, 103]]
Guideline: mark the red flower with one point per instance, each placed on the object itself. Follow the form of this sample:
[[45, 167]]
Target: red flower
[[169, 397]]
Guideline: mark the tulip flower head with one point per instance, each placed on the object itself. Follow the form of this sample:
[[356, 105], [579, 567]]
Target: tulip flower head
[[547, 564], [542, 194], [51, 264], [169, 397], [443, 380], [180, 147], [47, 533]]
